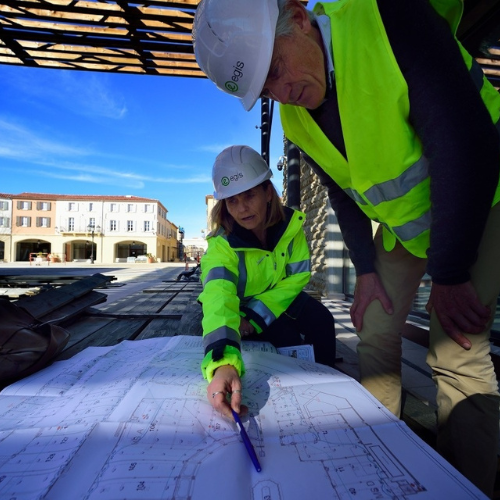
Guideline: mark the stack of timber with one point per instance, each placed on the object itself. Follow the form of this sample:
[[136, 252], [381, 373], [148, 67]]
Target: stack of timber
[[14, 286], [64, 304], [163, 311]]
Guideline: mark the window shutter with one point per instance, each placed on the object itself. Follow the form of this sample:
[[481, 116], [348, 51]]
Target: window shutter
[[38, 222], [29, 220]]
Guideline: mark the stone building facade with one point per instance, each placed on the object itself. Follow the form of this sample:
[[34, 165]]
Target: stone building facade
[[332, 274]]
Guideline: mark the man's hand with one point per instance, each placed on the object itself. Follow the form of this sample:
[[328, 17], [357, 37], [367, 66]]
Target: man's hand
[[459, 311], [368, 288], [226, 382]]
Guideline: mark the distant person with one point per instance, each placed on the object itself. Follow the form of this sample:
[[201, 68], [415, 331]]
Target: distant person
[[402, 127], [253, 273]]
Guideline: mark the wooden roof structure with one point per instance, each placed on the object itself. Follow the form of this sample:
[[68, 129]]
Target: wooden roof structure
[[145, 37], [154, 36]]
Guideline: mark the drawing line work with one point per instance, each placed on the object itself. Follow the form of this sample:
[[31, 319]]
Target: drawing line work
[[133, 422]]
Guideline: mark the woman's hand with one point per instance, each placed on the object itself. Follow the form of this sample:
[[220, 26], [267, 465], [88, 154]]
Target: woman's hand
[[226, 382], [246, 328]]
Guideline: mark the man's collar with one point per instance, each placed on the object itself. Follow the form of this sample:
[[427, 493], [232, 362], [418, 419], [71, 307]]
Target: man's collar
[[326, 35]]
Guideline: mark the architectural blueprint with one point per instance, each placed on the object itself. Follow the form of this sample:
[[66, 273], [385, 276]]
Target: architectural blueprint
[[132, 421]]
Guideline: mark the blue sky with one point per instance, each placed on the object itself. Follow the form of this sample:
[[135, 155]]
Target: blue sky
[[75, 132]]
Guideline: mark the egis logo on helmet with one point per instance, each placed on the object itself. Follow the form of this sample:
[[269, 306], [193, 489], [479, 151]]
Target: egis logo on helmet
[[225, 181], [232, 85]]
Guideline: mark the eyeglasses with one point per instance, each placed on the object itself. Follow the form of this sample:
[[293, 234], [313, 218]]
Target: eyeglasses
[[269, 95]]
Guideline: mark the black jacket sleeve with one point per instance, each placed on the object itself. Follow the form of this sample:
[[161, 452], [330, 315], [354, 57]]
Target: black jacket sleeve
[[355, 226]]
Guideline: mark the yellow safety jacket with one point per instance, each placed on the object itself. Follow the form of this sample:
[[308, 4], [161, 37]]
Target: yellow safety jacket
[[386, 172], [240, 280]]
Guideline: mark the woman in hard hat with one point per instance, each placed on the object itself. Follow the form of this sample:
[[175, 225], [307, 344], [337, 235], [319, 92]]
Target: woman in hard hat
[[253, 274]]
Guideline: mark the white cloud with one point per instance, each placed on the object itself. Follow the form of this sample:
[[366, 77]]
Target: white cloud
[[83, 93], [89, 94], [214, 148], [18, 142]]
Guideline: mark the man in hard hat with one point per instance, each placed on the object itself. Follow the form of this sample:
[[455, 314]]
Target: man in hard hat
[[402, 127], [253, 273]]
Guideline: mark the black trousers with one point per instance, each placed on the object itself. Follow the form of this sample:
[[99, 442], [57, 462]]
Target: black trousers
[[306, 321]]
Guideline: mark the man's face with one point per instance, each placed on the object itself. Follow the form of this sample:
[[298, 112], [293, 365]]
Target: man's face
[[297, 72]]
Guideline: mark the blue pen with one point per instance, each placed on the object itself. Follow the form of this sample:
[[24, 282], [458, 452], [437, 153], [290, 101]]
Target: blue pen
[[246, 440]]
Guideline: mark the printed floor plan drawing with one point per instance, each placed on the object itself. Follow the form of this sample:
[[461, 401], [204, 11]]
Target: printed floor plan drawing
[[132, 422]]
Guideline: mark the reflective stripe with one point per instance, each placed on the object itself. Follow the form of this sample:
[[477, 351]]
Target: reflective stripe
[[355, 196], [242, 275], [412, 229], [398, 187], [222, 333], [220, 273], [394, 188], [262, 310], [298, 267]]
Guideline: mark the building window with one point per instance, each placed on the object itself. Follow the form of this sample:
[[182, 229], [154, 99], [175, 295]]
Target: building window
[[147, 226], [91, 207], [24, 221], [43, 222], [112, 225], [113, 207], [4, 205], [43, 205], [24, 205], [4, 222], [72, 207], [92, 222], [130, 225], [71, 224], [130, 207]]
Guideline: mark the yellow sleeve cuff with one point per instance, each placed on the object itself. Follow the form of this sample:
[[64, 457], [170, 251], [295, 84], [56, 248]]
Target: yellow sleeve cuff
[[232, 356]]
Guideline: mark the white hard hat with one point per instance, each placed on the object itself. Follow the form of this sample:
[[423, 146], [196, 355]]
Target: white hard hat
[[233, 44], [237, 169]]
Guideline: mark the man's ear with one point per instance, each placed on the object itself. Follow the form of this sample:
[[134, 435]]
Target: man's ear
[[300, 16]]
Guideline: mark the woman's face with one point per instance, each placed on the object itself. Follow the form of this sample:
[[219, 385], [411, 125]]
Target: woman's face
[[249, 209]]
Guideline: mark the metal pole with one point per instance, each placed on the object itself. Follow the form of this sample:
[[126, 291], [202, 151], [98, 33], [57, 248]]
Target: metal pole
[[264, 129], [293, 166], [92, 249]]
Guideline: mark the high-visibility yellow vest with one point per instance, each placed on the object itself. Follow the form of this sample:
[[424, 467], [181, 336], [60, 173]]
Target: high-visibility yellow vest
[[386, 172]]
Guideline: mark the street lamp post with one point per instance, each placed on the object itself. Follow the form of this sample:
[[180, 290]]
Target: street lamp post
[[91, 229], [182, 253]]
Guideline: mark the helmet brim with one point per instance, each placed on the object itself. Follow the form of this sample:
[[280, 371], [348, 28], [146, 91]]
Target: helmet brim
[[266, 54]]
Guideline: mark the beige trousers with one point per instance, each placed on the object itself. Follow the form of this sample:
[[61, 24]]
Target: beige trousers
[[467, 388]]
